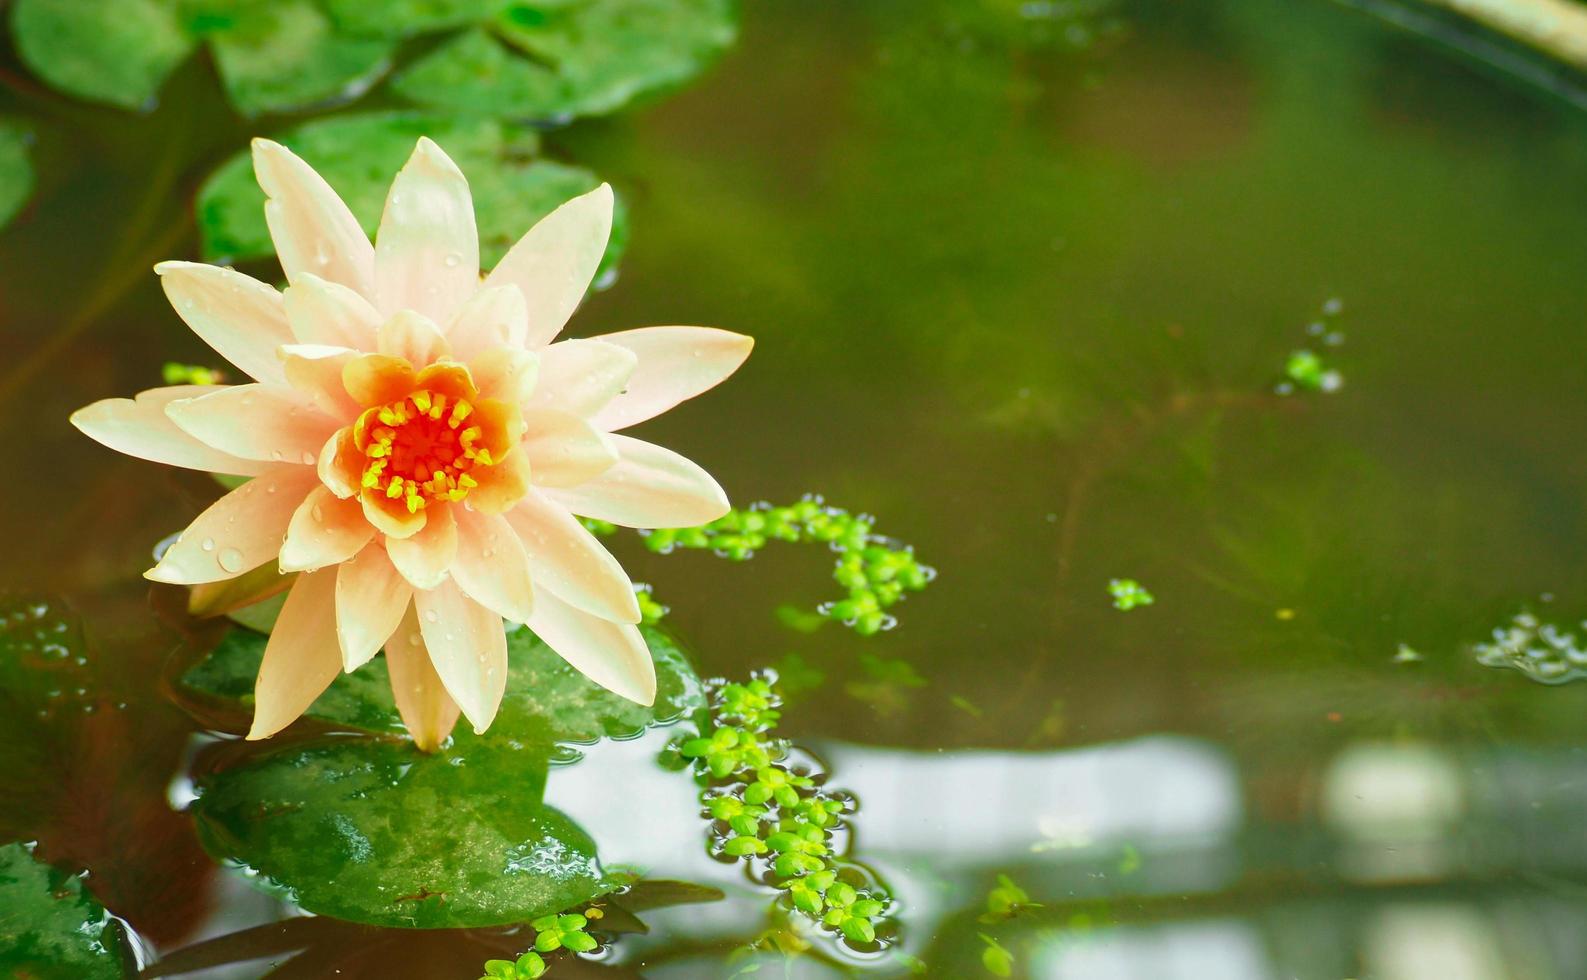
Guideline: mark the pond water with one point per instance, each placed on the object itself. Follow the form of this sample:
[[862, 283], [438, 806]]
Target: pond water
[[1028, 295]]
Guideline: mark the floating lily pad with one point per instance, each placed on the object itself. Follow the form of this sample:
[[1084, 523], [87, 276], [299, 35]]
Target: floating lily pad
[[287, 54], [115, 51], [50, 929], [572, 57], [366, 828], [359, 155], [272, 55], [475, 71], [371, 831], [405, 18], [547, 702], [16, 170]]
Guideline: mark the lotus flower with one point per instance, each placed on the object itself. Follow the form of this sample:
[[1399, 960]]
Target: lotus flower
[[419, 447]]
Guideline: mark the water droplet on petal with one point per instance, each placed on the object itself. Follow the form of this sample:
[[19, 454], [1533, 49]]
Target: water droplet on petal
[[231, 559], [430, 616], [208, 544]]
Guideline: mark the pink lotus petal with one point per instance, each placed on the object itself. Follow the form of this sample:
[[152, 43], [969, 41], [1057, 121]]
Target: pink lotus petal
[[505, 374], [325, 530], [612, 655], [316, 371], [648, 487], [491, 567], [427, 249], [424, 557], [426, 708], [313, 230], [412, 337], [371, 597], [256, 421], [329, 313], [564, 450], [468, 647], [238, 532], [565, 558], [554, 263], [675, 364], [493, 318], [581, 376], [300, 660], [139, 427], [242, 318]]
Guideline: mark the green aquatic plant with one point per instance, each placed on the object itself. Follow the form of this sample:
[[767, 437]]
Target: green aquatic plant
[[1006, 900], [886, 684], [369, 817], [768, 810], [51, 927], [525, 60], [995, 957], [876, 571], [1546, 652], [1307, 370], [174, 373], [529, 966], [1128, 594]]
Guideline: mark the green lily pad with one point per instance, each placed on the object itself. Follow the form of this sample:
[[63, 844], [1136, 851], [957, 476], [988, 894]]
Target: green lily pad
[[115, 51], [572, 57], [287, 54], [405, 18], [371, 831], [475, 71], [50, 928], [16, 169], [366, 828], [360, 154], [547, 702], [272, 55]]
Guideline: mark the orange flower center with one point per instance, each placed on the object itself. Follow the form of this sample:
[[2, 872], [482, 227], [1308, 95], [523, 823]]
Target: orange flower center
[[421, 448]]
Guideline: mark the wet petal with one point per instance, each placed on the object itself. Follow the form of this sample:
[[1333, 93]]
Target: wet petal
[[468, 646], [256, 422], [139, 427], [329, 313], [243, 319], [491, 567], [648, 487], [500, 486], [675, 364], [581, 376], [376, 379], [325, 530], [313, 230], [316, 371], [392, 517], [301, 659], [554, 263], [612, 655], [492, 318], [566, 559], [426, 708], [341, 465], [505, 374], [427, 249], [238, 532], [424, 557], [371, 596], [412, 337], [564, 450]]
